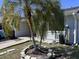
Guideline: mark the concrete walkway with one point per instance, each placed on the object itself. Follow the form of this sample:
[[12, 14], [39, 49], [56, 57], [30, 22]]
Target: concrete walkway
[[8, 43]]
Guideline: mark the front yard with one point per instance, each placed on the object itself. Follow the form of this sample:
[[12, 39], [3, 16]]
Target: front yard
[[59, 49]]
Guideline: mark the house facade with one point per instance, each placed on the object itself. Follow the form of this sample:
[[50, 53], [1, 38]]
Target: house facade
[[71, 26], [72, 20]]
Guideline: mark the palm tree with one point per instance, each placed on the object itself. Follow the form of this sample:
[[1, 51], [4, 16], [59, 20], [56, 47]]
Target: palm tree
[[10, 20]]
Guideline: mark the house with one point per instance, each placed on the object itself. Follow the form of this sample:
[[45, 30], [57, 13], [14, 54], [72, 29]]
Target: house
[[71, 23], [72, 20]]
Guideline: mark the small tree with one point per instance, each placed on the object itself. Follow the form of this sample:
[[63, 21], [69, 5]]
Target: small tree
[[29, 20], [48, 16]]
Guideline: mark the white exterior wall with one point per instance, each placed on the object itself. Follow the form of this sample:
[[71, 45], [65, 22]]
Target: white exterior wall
[[1, 19], [69, 20], [78, 31], [23, 31]]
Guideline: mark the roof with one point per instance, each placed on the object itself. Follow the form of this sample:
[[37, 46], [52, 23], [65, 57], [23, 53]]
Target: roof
[[71, 10]]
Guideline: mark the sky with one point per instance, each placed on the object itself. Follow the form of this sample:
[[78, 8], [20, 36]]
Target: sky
[[64, 3], [69, 3], [1, 2]]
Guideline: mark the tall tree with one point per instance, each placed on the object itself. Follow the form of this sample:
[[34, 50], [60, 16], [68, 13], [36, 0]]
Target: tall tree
[[9, 20], [27, 11], [47, 15]]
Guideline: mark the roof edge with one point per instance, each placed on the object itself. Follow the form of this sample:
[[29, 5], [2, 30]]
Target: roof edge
[[71, 8]]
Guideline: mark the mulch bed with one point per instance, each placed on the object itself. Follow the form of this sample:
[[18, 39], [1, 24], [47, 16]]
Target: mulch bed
[[42, 52]]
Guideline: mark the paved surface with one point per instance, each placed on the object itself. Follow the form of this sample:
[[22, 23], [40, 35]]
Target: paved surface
[[13, 52], [8, 43]]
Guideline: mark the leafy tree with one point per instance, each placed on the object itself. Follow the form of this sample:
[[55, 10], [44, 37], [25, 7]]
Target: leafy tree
[[10, 20], [47, 15]]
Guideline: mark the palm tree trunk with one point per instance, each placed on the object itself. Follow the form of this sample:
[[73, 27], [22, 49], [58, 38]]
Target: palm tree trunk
[[41, 39], [33, 39], [28, 15]]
